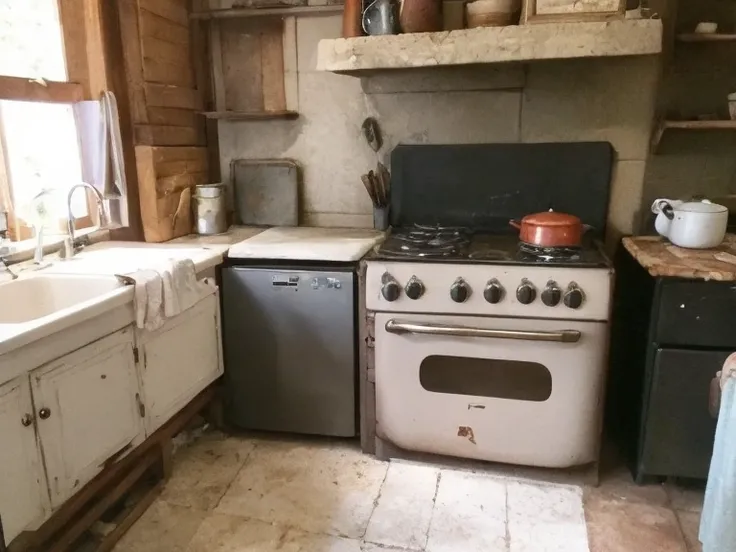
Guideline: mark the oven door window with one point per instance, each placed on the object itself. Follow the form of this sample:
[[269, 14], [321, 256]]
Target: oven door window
[[480, 377]]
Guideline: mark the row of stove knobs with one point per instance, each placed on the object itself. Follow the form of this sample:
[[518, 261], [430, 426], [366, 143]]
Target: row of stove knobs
[[526, 293]]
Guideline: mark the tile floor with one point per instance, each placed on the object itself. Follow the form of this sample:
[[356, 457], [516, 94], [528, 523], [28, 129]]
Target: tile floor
[[245, 494]]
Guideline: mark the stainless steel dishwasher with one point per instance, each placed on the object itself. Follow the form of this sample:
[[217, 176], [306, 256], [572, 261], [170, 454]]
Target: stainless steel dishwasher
[[290, 349]]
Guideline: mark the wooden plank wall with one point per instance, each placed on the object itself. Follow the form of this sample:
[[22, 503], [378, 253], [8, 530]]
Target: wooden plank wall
[[166, 96]]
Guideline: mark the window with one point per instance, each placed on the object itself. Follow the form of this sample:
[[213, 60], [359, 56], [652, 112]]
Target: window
[[40, 154]]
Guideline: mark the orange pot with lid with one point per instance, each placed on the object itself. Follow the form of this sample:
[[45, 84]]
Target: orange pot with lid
[[550, 229]]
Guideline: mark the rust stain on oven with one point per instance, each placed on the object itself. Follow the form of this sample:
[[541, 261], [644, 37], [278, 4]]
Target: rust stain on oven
[[467, 432]]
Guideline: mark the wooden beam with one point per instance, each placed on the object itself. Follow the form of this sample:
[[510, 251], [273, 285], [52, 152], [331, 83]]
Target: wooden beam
[[16, 88], [237, 13], [160, 135], [162, 95]]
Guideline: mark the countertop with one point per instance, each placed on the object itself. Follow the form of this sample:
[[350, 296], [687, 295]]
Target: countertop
[[219, 242], [661, 258], [304, 243]]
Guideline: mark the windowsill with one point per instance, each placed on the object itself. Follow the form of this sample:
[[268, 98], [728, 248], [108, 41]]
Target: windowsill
[[17, 252]]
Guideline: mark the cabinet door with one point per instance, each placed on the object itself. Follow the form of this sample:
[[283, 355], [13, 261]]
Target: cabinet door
[[87, 405], [678, 428], [180, 360], [23, 493]]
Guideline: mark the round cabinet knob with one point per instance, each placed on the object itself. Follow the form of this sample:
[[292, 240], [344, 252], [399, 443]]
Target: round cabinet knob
[[552, 294], [574, 296], [44, 413], [460, 291], [390, 288], [493, 292], [414, 288], [526, 293], [27, 420]]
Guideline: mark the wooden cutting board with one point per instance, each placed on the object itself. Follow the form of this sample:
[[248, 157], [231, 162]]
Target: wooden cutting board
[[661, 258]]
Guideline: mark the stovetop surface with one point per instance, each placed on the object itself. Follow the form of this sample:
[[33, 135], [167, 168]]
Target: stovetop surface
[[464, 245]]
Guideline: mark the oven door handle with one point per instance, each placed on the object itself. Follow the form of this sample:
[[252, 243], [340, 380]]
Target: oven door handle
[[562, 336]]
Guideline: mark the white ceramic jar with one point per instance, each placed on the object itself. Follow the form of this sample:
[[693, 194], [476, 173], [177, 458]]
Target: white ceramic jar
[[693, 224]]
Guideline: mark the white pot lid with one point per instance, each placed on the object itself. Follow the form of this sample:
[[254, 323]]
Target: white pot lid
[[701, 207]]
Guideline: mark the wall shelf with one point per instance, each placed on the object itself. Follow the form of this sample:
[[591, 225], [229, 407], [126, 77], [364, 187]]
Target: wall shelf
[[629, 37], [238, 13], [663, 126], [706, 37], [250, 116]]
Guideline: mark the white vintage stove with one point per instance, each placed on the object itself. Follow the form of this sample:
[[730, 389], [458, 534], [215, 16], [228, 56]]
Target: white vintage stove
[[484, 348]]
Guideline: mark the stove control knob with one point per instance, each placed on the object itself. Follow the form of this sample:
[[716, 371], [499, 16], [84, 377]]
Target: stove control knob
[[460, 291], [526, 293], [390, 288], [494, 291], [552, 294], [574, 296], [414, 288]]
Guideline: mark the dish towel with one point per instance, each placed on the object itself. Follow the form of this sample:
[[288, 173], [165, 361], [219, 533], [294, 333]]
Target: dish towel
[[165, 291], [717, 524]]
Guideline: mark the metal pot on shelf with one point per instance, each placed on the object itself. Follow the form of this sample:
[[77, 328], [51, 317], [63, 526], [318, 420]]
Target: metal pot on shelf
[[550, 229], [691, 224]]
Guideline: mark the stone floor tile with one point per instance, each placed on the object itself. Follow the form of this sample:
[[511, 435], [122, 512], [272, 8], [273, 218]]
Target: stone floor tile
[[623, 526], [224, 533], [618, 484], [469, 514], [690, 525], [204, 470], [404, 508], [310, 486], [546, 518], [162, 528], [686, 497]]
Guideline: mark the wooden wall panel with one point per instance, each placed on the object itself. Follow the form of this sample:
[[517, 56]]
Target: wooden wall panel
[[169, 131], [167, 176]]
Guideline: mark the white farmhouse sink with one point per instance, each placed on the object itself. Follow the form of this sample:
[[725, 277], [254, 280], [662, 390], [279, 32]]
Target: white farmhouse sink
[[37, 306]]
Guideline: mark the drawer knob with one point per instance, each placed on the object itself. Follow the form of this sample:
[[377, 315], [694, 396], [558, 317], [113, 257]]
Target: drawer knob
[[27, 420], [44, 413]]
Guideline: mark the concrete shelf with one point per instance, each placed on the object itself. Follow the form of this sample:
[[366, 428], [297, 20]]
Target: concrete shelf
[[516, 43]]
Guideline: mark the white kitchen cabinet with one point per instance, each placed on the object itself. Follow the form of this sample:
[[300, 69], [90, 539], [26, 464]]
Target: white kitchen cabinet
[[89, 411], [24, 498], [180, 360]]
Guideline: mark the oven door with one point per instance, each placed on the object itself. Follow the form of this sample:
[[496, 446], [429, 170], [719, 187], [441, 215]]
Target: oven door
[[522, 391]]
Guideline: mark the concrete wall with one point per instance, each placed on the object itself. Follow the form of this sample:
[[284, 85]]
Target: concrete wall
[[696, 82], [609, 99]]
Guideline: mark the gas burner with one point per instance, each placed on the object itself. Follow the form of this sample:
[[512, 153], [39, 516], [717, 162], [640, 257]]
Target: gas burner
[[528, 252], [426, 242]]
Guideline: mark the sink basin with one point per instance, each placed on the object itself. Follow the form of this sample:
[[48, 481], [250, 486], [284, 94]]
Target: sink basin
[[32, 298], [34, 307]]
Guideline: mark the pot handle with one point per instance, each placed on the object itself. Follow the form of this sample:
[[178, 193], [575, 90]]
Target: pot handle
[[665, 207], [515, 223]]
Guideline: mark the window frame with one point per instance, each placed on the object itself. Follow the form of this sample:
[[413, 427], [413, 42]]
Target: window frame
[[84, 54]]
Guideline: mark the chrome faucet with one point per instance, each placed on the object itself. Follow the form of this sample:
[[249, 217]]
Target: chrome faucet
[[100, 209]]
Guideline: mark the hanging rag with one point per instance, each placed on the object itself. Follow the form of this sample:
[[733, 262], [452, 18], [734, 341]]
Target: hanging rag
[[165, 291], [717, 524]]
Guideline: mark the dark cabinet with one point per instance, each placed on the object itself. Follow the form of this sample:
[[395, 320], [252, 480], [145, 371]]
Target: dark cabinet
[[669, 338]]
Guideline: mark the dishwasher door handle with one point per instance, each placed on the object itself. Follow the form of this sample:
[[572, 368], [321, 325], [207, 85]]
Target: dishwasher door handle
[[562, 336]]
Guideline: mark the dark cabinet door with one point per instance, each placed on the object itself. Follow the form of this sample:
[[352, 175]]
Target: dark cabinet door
[[679, 430]]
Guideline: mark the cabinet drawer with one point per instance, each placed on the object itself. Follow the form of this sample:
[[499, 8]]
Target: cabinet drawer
[[697, 314], [679, 430]]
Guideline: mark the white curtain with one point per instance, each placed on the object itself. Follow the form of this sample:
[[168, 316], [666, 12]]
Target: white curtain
[[718, 522]]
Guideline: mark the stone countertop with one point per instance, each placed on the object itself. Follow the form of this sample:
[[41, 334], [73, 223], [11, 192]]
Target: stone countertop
[[220, 242], [660, 258], [305, 243]]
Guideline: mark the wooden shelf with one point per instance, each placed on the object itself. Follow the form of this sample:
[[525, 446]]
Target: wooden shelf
[[663, 126], [251, 116], [237, 13], [706, 37]]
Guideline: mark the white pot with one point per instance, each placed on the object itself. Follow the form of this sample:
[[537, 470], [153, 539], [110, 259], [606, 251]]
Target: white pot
[[695, 224]]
